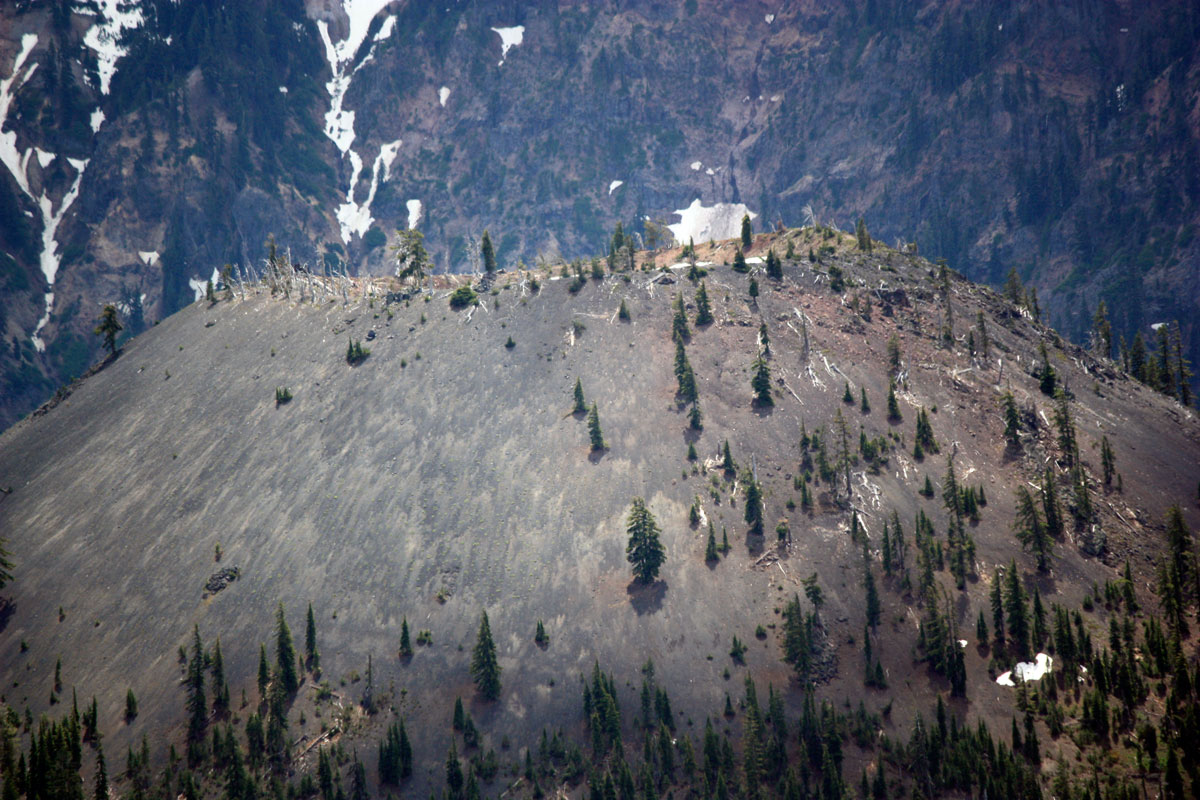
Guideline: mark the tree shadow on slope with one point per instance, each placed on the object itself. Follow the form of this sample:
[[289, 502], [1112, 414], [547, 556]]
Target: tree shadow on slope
[[646, 598]]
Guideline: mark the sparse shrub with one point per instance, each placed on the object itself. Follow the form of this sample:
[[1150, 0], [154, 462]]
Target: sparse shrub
[[462, 297], [283, 394], [510, 344], [356, 353]]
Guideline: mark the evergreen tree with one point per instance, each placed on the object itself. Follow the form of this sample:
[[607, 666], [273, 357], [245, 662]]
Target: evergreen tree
[[1066, 428], [1102, 339], [594, 432], [703, 309], [679, 324], [454, 773], [285, 654], [893, 414], [405, 643], [1137, 358], [747, 232], [131, 706], [695, 418], [739, 261], [196, 703], [489, 255], [579, 407], [623, 311], [312, 657], [863, 238], [485, 668], [1108, 461], [644, 550], [753, 289], [264, 673], [1012, 421], [996, 595], [754, 506], [774, 266], [108, 327], [220, 701], [710, 549], [727, 464], [1016, 612], [761, 383], [1051, 510], [101, 781], [1030, 531], [864, 405]]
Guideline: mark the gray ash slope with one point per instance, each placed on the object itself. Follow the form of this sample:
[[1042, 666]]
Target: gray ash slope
[[445, 475]]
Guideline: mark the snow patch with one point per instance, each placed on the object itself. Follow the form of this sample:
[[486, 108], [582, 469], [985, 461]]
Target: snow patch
[[509, 38], [770, 18], [283, 90], [612, 187], [1157, 325], [709, 171], [97, 120], [339, 122], [702, 223], [148, 257], [9, 155], [43, 157], [414, 213], [355, 218], [386, 29], [50, 258], [443, 95], [751, 259], [696, 165], [200, 287], [962, 643], [116, 16], [1027, 671]]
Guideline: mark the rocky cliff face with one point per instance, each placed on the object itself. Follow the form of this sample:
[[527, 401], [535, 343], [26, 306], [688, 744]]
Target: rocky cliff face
[[146, 146]]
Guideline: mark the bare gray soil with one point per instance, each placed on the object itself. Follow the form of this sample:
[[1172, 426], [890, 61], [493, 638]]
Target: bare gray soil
[[446, 474]]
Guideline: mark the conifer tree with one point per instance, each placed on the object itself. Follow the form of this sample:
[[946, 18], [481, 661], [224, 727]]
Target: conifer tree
[[594, 432], [485, 668], [679, 324], [623, 311], [1030, 531], [753, 288], [1012, 421], [579, 407], [695, 418], [1016, 612], [864, 405], [703, 309], [1108, 461], [727, 464], [710, 549], [488, 254], [644, 551], [285, 654], [220, 701], [739, 261], [893, 414], [108, 327], [864, 238], [1051, 509], [101, 781], [774, 266], [761, 383], [753, 513], [196, 703], [312, 657], [264, 673], [747, 232], [405, 643]]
